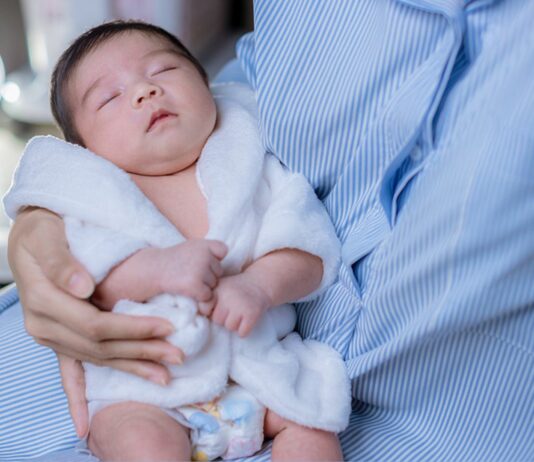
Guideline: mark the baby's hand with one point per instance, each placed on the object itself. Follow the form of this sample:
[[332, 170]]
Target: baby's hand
[[239, 304], [192, 268]]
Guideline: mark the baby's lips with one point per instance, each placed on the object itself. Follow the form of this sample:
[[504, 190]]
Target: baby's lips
[[157, 115]]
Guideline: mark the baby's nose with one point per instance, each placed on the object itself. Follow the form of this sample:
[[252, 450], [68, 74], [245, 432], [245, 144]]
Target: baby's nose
[[144, 92]]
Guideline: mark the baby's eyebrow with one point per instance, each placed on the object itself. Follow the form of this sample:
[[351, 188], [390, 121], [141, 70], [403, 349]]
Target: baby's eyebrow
[[163, 51]]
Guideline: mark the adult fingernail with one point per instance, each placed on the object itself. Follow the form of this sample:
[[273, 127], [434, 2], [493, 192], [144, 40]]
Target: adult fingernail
[[80, 286], [80, 432], [163, 331], [159, 380], [173, 359]]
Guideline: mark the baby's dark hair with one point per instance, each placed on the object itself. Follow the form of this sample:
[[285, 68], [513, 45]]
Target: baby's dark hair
[[81, 47]]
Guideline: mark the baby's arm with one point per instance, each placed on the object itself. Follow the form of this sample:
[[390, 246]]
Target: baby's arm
[[279, 277], [191, 268]]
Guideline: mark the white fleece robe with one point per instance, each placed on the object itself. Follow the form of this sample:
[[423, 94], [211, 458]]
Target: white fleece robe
[[255, 206]]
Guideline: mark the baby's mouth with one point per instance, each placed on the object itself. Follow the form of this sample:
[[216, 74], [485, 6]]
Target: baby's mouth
[[158, 116]]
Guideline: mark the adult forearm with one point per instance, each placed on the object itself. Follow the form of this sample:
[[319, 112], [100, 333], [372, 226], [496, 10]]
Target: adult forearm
[[53, 287], [286, 275]]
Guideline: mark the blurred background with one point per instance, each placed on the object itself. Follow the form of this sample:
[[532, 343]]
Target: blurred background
[[33, 33]]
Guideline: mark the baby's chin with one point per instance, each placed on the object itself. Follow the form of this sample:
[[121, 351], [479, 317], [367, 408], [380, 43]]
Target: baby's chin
[[166, 168]]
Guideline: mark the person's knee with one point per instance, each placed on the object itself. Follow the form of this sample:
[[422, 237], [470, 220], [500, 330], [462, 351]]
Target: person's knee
[[275, 424], [132, 431]]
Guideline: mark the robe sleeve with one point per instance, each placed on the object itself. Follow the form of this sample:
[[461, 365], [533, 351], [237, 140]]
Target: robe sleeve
[[295, 218], [99, 249]]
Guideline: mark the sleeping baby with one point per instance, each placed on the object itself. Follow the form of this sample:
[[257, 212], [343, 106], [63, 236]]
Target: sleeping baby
[[169, 199]]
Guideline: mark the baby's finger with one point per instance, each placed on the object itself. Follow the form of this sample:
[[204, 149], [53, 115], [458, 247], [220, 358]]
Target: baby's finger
[[245, 327], [202, 293], [216, 268], [219, 315], [210, 280], [206, 308], [232, 322], [218, 248]]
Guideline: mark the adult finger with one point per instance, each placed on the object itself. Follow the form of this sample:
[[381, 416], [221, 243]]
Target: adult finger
[[148, 370], [43, 238], [91, 323], [118, 326], [149, 349], [64, 271], [73, 380]]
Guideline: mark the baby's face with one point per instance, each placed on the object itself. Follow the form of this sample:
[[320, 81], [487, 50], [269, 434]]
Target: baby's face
[[141, 105]]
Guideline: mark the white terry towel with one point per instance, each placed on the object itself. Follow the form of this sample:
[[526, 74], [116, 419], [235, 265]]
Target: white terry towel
[[255, 206]]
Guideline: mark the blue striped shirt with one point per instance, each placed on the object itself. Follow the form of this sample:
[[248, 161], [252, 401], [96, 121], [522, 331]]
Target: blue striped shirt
[[413, 121]]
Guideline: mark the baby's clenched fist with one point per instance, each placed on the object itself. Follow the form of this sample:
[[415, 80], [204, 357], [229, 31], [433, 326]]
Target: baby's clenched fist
[[191, 268], [239, 303]]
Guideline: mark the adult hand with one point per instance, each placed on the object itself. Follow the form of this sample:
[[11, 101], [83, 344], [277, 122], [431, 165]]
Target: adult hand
[[53, 287]]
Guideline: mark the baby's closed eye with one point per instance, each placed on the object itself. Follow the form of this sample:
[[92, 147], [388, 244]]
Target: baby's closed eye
[[165, 69], [107, 100]]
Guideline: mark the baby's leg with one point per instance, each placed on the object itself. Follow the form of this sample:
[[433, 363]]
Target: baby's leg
[[133, 432], [293, 442]]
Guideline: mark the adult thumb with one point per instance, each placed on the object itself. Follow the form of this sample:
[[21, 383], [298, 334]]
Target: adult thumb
[[64, 271], [80, 284]]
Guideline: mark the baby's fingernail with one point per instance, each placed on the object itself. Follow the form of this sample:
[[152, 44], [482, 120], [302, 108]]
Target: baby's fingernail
[[163, 331], [80, 286]]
